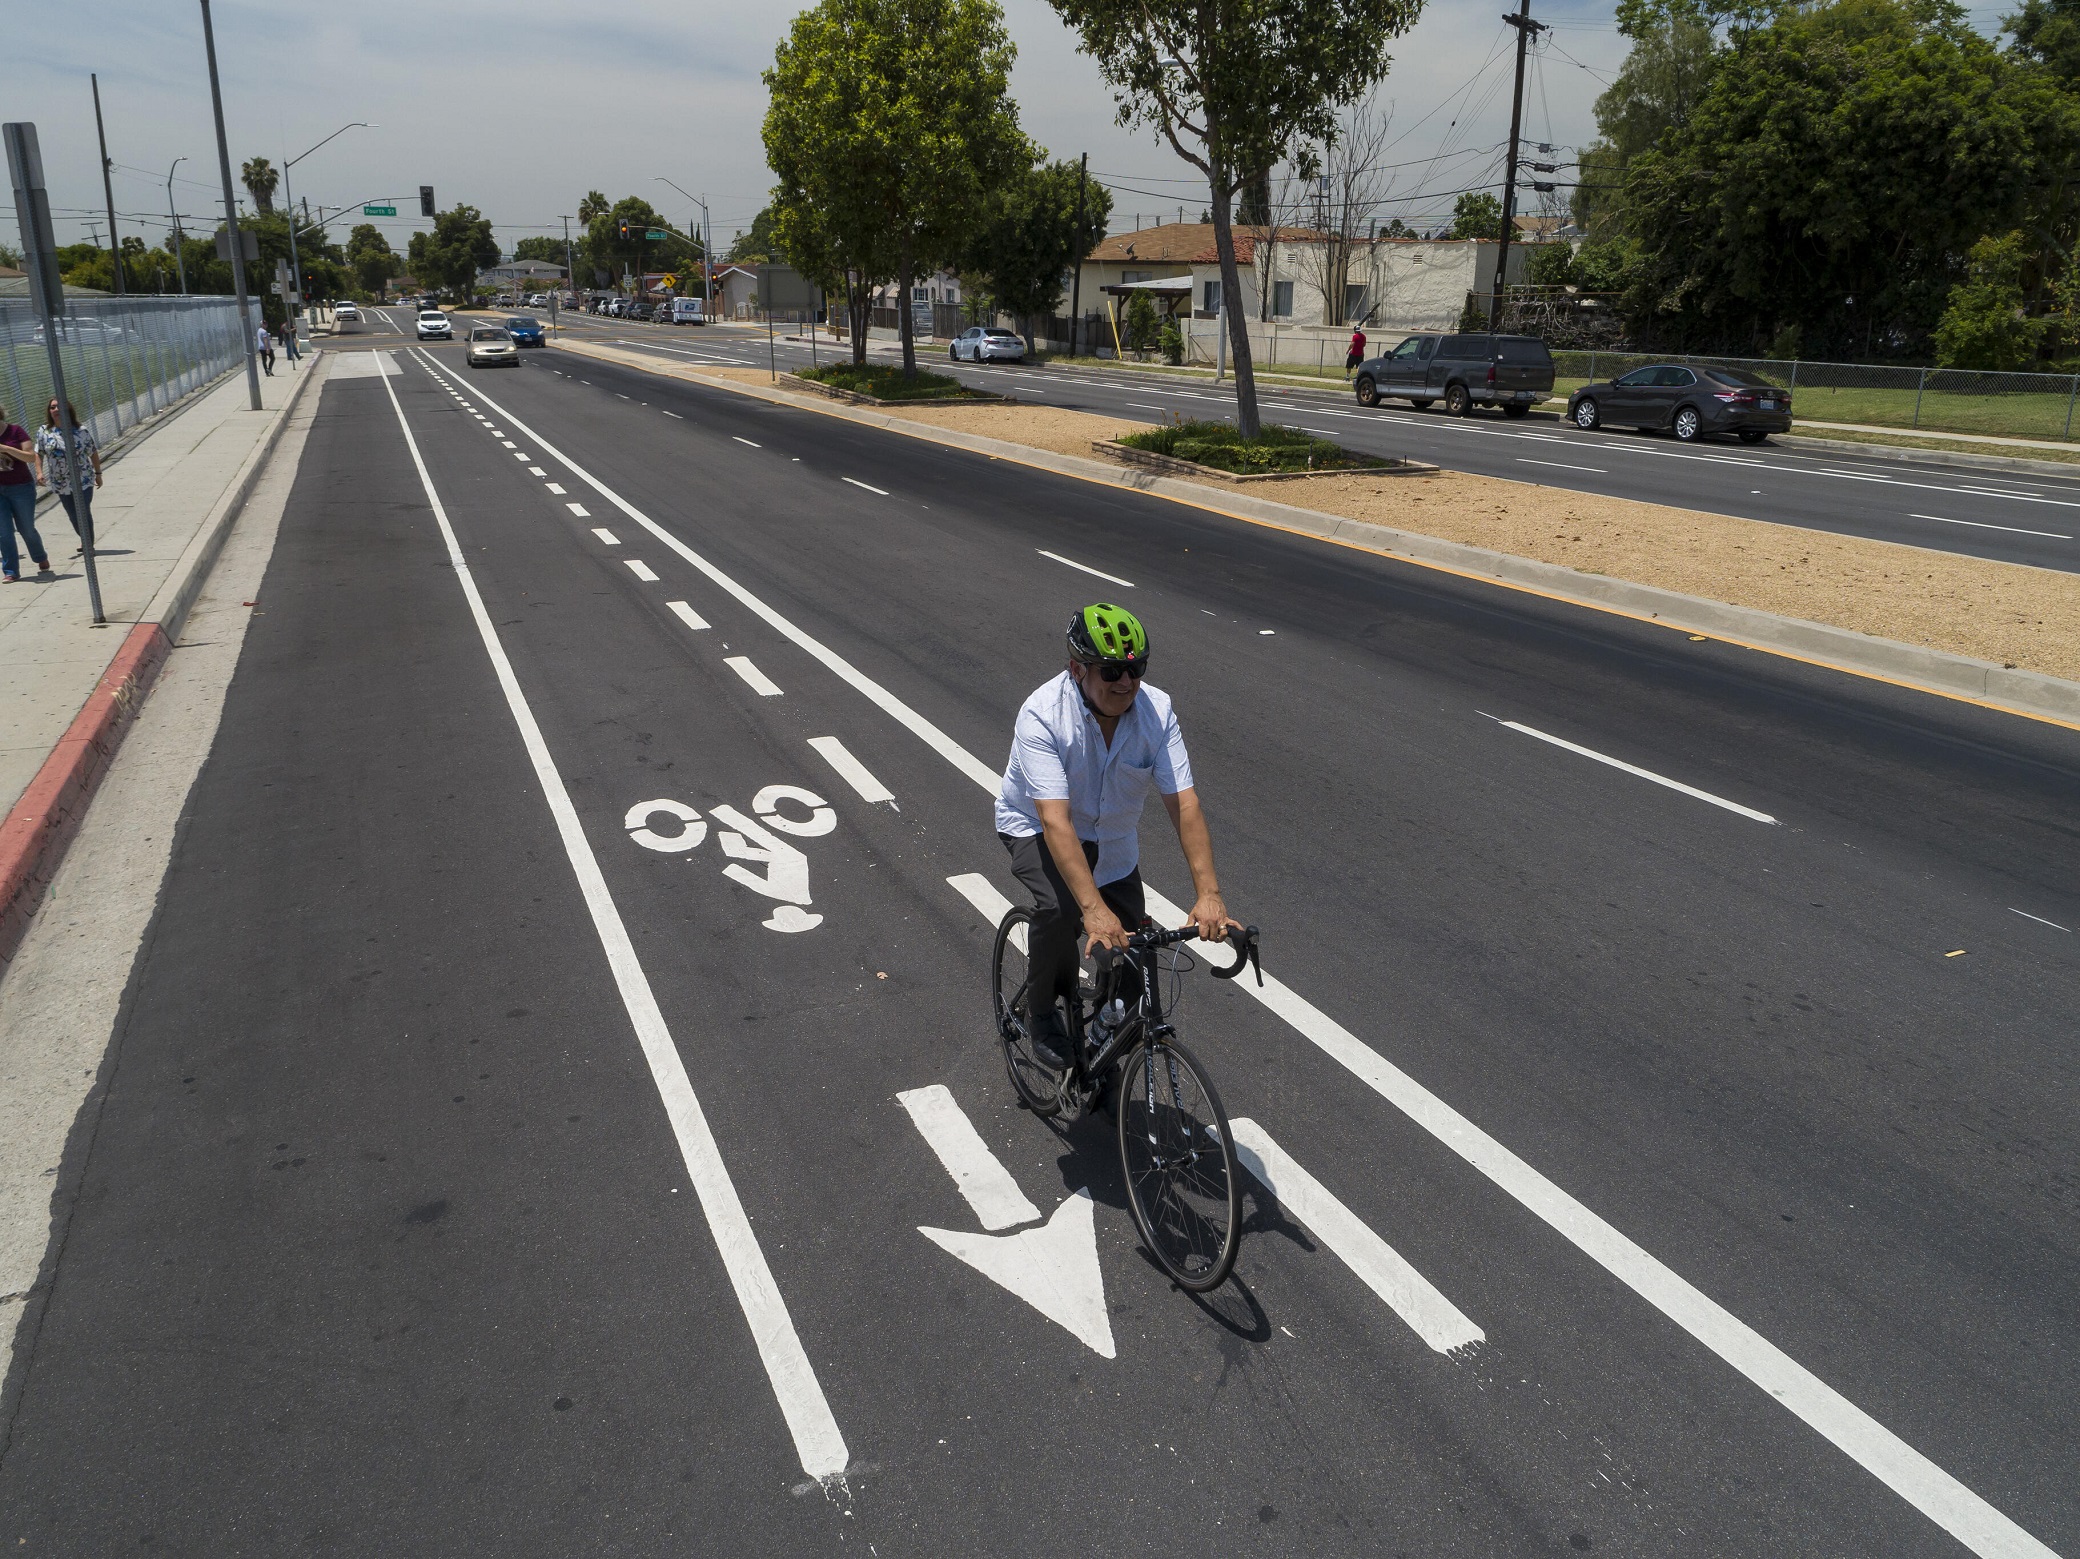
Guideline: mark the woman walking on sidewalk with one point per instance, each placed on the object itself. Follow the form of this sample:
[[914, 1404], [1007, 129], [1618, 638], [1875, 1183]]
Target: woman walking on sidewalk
[[55, 467], [18, 501]]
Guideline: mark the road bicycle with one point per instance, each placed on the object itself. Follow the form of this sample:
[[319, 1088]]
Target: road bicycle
[[1175, 1149]]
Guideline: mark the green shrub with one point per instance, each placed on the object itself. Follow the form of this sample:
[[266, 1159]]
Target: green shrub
[[1984, 326], [885, 382], [1141, 322], [1217, 444], [1171, 343]]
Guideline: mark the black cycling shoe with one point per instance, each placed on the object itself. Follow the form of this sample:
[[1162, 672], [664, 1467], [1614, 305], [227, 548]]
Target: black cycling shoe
[[1049, 1039]]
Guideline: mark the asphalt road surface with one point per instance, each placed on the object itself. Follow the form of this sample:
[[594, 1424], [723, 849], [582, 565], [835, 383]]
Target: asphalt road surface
[[569, 988], [2018, 517]]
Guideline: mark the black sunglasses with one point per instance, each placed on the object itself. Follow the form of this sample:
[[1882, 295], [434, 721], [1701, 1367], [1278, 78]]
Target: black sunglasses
[[1113, 670]]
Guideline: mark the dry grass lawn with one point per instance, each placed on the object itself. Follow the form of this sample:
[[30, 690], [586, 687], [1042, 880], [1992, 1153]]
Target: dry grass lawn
[[2000, 612]]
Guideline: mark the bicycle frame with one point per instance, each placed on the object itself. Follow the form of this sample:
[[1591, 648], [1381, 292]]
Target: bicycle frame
[[1144, 1023]]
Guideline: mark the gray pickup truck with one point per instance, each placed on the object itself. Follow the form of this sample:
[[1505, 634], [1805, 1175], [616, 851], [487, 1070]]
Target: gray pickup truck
[[1513, 372]]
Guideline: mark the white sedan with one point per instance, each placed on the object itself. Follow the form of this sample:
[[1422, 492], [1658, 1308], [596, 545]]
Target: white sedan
[[987, 344], [434, 326]]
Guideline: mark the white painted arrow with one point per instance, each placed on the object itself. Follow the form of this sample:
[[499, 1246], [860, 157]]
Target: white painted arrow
[[1053, 1268]]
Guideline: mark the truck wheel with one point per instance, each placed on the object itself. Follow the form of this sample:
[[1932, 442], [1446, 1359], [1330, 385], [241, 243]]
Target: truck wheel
[[1368, 391], [1457, 403], [1517, 409]]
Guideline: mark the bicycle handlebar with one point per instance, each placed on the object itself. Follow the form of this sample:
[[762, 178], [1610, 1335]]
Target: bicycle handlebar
[[1243, 939]]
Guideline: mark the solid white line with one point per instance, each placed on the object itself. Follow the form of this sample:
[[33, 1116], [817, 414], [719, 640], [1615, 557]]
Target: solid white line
[[1561, 465], [856, 482], [851, 770], [606, 536], [687, 615], [579, 510], [986, 1184], [1982, 525], [747, 441], [1144, 406], [641, 570], [761, 684], [2039, 919], [1384, 1270], [1880, 1452], [1124, 584], [982, 893], [673, 415], [816, 1435], [1635, 770], [555, 487]]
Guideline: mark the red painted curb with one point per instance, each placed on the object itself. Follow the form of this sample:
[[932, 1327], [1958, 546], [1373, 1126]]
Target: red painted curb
[[36, 831]]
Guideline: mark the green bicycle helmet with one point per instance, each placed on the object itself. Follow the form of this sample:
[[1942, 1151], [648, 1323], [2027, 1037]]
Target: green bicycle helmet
[[1105, 632]]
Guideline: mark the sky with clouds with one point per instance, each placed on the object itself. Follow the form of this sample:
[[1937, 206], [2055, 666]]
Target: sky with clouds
[[520, 106]]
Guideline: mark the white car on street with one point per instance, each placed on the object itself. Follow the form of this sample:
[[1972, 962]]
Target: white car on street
[[434, 326], [987, 344]]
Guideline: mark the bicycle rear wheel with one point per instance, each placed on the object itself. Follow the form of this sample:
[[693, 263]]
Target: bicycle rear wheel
[[1038, 1085], [1179, 1159]]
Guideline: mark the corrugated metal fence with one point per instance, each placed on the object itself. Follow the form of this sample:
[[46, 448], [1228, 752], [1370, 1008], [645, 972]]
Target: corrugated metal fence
[[125, 359]]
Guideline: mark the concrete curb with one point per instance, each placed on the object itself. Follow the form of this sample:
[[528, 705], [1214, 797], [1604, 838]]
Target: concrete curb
[[36, 832], [2010, 690]]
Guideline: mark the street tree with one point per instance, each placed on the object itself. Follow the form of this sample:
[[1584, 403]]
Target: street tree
[[371, 258], [2048, 31], [1234, 86], [594, 206], [539, 247], [459, 247], [607, 250], [1655, 91], [889, 126], [758, 245], [1983, 325], [1350, 180], [261, 180], [1476, 214], [1031, 239]]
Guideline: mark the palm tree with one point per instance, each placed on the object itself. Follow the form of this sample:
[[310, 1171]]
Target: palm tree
[[260, 178], [593, 207]]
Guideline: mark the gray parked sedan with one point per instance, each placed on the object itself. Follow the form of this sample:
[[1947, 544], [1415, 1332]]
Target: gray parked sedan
[[1689, 400]]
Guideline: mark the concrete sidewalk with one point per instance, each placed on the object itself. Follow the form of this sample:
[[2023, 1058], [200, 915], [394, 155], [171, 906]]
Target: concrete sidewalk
[[71, 687]]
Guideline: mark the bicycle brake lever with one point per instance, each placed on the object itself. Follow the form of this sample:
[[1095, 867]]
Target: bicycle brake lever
[[1245, 945]]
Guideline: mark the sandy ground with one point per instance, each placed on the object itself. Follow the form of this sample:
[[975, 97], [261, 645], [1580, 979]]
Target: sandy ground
[[2000, 612]]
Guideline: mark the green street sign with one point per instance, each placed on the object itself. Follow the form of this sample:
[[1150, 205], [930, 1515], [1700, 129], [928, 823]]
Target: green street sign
[[656, 235], [379, 211]]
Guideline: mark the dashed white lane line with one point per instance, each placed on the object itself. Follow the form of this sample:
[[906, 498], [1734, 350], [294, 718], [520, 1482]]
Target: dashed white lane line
[[851, 770], [869, 486], [579, 510], [759, 683], [536, 471], [1378, 1265], [641, 570], [555, 487], [673, 415], [1635, 770], [985, 1183], [747, 441], [818, 1441], [2039, 919], [1124, 584], [606, 536], [2013, 530], [517, 455], [687, 615], [1561, 465], [508, 443]]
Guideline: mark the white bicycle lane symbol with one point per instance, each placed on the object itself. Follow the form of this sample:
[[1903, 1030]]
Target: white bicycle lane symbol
[[752, 840]]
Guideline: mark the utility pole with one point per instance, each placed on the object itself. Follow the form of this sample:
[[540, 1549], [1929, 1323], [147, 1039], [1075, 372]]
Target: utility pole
[[1526, 27], [178, 258], [237, 244], [1083, 167], [108, 193]]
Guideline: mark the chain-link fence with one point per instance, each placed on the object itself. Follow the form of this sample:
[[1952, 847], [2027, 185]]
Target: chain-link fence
[[125, 359], [1949, 400]]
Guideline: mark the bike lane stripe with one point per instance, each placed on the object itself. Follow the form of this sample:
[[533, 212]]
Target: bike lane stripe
[[816, 1435], [1940, 1497], [985, 1183]]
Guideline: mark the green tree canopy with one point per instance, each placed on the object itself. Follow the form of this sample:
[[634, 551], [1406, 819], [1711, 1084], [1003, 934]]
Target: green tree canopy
[[371, 258], [1476, 214], [1235, 86], [459, 246], [606, 251], [1836, 173], [594, 206], [540, 247], [890, 124], [757, 245], [2048, 31], [1031, 238], [1659, 86], [1983, 326], [260, 179]]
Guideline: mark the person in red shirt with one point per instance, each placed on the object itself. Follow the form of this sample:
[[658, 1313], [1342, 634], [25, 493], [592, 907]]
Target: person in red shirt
[[1356, 354], [18, 501]]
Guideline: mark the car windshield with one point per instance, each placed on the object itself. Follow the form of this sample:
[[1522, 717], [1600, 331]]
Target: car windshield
[[489, 335], [523, 324], [430, 314]]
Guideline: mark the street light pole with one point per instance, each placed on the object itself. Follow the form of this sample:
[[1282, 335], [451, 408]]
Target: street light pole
[[289, 199], [108, 193], [237, 244], [179, 259]]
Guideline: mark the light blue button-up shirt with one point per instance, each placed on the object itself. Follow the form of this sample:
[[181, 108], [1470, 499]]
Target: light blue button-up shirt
[[1058, 753]]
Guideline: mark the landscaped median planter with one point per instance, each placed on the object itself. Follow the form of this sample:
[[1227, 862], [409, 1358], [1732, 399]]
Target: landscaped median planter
[[883, 384], [1276, 454]]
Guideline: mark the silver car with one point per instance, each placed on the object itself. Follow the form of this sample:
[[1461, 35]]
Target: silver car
[[987, 344], [490, 346]]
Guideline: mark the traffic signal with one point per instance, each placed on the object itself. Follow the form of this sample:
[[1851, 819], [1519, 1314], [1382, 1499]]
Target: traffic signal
[[624, 229], [426, 200]]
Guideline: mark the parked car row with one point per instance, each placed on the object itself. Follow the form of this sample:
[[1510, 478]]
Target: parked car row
[[1468, 369], [670, 311]]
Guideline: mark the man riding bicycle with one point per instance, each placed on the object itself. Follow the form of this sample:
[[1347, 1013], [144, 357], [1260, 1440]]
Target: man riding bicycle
[[1087, 746]]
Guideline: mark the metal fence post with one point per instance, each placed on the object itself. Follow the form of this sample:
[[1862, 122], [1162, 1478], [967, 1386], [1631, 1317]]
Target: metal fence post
[[1918, 388], [1793, 385], [2070, 394], [1592, 368]]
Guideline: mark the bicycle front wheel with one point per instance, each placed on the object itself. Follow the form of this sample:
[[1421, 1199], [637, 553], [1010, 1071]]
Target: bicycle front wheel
[[1011, 992], [1179, 1159]]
